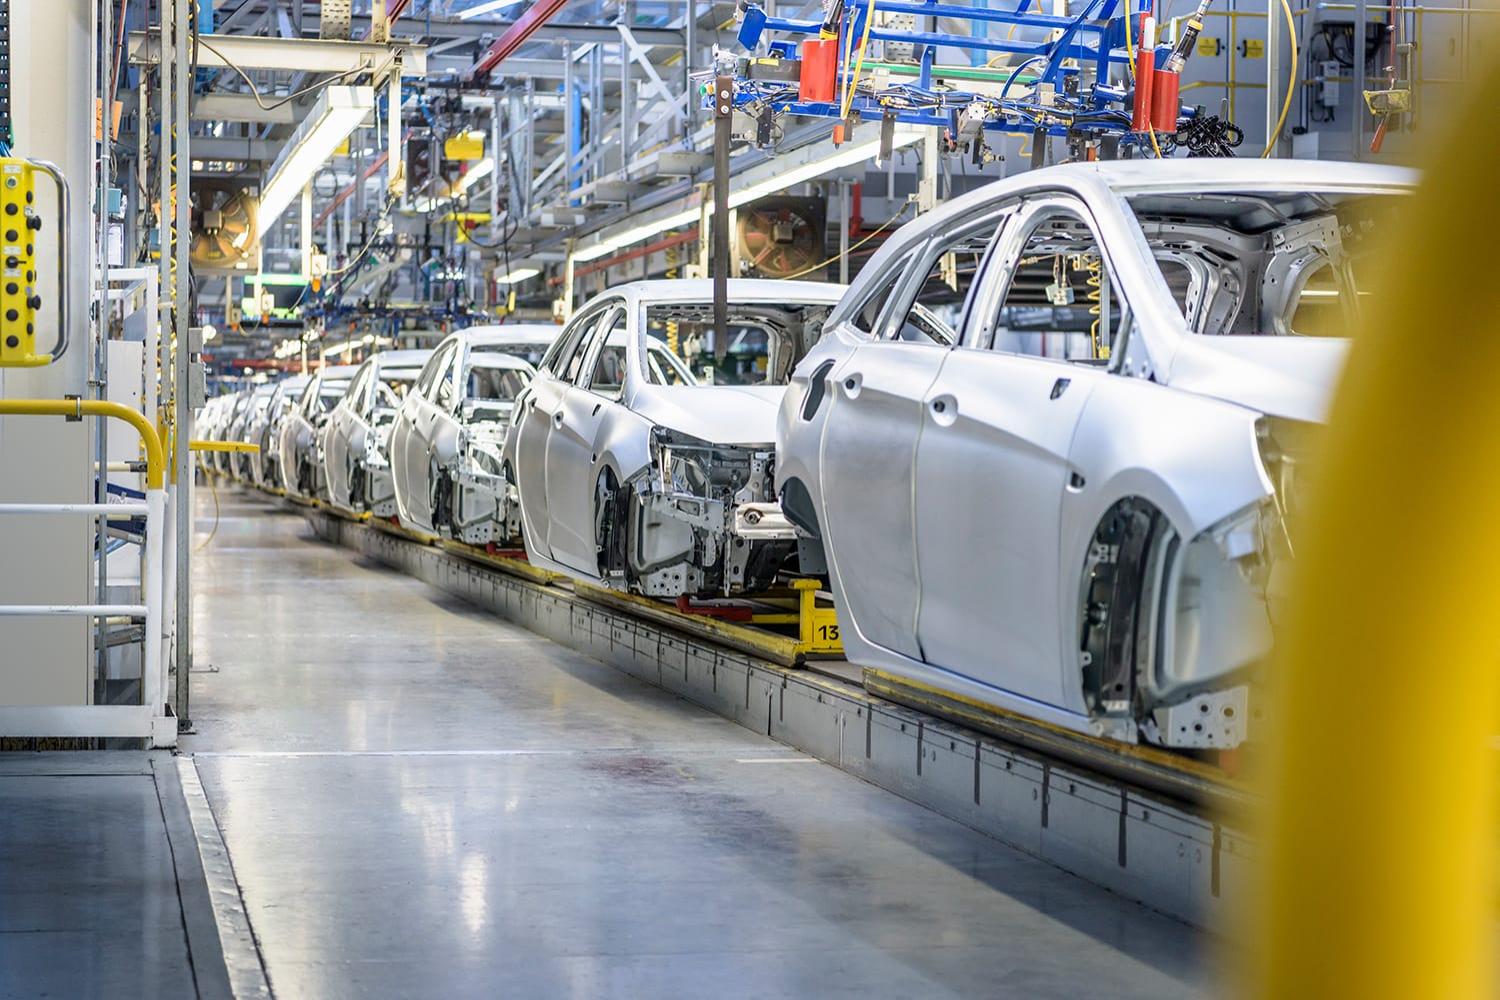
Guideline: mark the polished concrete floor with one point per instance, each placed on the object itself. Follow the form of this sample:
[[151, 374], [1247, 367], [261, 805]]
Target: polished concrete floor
[[420, 800], [99, 886]]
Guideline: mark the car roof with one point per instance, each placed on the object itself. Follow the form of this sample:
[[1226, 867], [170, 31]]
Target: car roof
[[511, 333], [1116, 178], [1196, 175], [741, 290], [402, 359], [500, 359], [339, 371]]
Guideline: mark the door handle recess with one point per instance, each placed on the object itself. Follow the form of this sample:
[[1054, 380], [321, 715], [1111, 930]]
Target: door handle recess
[[557, 419], [944, 410]]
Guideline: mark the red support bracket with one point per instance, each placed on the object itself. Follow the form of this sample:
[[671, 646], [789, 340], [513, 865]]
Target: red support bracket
[[728, 613], [536, 15]]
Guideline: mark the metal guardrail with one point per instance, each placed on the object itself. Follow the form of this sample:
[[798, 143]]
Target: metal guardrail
[[149, 720]]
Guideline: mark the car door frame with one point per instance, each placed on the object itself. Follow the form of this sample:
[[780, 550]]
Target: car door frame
[[533, 419], [336, 449], [976, 346], [410, 475], [573, 446], [893, 634]]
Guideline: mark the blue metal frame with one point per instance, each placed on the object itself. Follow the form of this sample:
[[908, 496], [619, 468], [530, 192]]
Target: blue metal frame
[[1102, 22]]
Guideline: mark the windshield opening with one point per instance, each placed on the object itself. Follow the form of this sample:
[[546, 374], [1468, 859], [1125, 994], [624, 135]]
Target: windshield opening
[[494, 385], [329, 394], [529, 353], [764, 342], [1289, 264]]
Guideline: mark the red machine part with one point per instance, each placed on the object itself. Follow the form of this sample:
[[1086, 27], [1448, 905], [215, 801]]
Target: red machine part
[[1165, 102], [819, 73]]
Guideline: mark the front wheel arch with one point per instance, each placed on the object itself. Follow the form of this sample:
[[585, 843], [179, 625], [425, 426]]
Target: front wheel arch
[[611, 513], [1115, 620]]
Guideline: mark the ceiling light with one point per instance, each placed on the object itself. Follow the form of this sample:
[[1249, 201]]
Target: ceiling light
[[480, 170], [338, 113], [847, 156], [487, 8], [517, 275]]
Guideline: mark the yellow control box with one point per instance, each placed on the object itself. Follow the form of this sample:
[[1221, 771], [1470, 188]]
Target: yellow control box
[[19, 300]]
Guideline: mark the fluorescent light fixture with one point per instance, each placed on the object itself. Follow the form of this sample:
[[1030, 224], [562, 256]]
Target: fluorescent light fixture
[[338, 113], [487, 8], [480, 170], [345, 347], [848, 156], [516, 275]]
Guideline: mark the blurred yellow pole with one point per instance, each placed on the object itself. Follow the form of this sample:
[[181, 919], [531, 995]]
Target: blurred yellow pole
[[1380, 877]]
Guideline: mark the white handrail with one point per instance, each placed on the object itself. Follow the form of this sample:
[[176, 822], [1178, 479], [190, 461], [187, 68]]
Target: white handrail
[[110, 510], [91, 610]]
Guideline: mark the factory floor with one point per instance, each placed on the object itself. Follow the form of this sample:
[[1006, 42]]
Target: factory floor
[[421, 800]]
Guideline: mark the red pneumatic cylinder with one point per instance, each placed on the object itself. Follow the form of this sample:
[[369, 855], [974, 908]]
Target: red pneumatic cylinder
[[1164, 101], [817, 80], [1145, 66]]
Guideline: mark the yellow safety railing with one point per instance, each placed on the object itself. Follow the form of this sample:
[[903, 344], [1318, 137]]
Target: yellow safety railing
[[148, 720], [240, 446], [77, 409], [1380, 840]]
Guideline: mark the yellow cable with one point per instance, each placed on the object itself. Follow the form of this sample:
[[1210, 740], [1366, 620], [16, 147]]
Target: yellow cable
[[1093, 267], [859, 62], [852, 248], [1291, 82], [214, 489]]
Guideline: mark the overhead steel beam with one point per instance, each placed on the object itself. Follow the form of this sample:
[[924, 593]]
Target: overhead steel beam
[[515, 36], [293, 55], [442, 28], [242, 108], [248, 150], [440, 64]]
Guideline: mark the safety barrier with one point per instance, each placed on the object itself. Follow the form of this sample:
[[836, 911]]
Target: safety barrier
[[148, 720]]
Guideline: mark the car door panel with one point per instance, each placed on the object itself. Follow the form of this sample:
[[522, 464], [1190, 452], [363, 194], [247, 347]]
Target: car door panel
[[541, 408], [336, 458], [572, 448], [400, 464], [876, 397], [992, 466]]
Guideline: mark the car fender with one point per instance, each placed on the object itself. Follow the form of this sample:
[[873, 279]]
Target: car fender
[[1194, 459], [445, 435], [799, 440]]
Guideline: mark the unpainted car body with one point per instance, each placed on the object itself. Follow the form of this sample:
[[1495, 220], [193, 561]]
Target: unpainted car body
[[446, 441], [299, 463], [644, 471], [356, 438], [263, 429], [246, 425], [210, 426], [1048, 441]]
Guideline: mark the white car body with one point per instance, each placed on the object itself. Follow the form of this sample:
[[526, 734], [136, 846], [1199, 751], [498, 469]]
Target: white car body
[[246, 428], [299, 464], [263, 431], [445, 444], [1082, 534], [356, 438], [632, 472]]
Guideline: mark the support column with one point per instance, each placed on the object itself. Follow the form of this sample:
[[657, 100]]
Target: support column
[[183, 412], [47, 661]]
